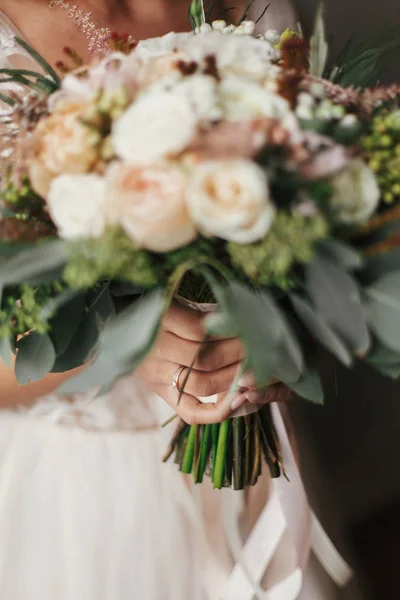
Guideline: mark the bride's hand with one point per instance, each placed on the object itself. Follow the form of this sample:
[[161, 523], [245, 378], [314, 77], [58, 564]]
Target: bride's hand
[[214, 370]]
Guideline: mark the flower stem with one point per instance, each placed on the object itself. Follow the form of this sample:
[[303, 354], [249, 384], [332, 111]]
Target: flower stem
[[237, 429], [187, 464], [215, 432], [255, 472], [247, 449], [205, 449], [219, 467]]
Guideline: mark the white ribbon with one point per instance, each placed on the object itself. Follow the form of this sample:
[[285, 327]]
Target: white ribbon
[[286, 510]]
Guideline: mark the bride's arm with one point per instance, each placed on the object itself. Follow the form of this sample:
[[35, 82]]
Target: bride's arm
[[12, 394]]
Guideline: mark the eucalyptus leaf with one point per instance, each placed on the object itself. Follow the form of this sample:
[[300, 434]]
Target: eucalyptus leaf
[[82, 347], [35, 357], [382, 355], [383, 309], [130, 335], [392, 371], [124, 343], [289, 361], [381, 263], [66, 320], [6, 352], [32, 264], [320, 330], [319, 47], [252, 317], [309, 386], [341, 253], [121, 289], [101, 374], [336, 298]]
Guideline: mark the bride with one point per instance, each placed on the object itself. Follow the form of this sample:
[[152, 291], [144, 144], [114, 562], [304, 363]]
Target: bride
[[87, 510]]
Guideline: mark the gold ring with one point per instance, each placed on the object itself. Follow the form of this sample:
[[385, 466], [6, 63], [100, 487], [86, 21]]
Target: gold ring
[[175, 380]]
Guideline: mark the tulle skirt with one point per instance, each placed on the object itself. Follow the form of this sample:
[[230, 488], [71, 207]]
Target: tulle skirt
[[96, 515], [91, 516]]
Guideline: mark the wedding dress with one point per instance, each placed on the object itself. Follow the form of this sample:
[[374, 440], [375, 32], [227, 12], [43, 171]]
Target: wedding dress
[[89, 512]]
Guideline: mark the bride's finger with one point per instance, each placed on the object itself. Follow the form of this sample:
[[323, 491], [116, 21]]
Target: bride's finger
[[211, 356], [278, 392], [194, 412], [199, 383]]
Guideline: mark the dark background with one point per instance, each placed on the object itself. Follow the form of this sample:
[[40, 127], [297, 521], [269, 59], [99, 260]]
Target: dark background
[[354, 441]]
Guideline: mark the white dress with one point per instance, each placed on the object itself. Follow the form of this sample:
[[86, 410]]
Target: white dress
[[89, 512]]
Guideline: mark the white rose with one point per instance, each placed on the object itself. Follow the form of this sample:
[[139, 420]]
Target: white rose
[[201, 93], [356, 194], [156, 126], [150, 205], [230, 199], [242, 52], [154, 47], [77, 205], [242, 100]]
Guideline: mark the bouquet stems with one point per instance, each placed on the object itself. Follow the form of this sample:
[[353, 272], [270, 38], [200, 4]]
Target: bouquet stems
[[230, 453]]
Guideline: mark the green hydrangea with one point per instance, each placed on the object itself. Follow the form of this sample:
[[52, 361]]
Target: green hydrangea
[[382, 149], [22, 310], [111, 257], [290, 241]]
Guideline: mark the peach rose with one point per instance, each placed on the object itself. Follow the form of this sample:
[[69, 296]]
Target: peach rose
[[150, 205], [230, 199], [62, 145]]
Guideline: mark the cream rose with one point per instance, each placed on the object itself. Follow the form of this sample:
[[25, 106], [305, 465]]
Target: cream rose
[[150, 205], [77, 205], [62, 144], [355, 194], [157, 125], [230, 199], [242, 100]]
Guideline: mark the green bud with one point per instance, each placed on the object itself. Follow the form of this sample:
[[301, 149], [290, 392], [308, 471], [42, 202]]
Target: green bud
[[196, 14]]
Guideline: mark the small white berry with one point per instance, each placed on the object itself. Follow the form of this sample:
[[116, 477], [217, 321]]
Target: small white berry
[[205, 28], [304, 112], [218, 25], [318, 90], [249, 27], [349, 121], [229, 29], [272, 36], [305, 99], [239, 31], [338, 111]]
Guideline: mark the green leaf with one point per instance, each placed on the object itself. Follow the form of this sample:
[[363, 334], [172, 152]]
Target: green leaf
[[9, 249], [35, 357], [336, 298], [319, 47], [83, 344], [34, 265], [66, 320], [6, 352], [380, 264], [40, 60], [320, 330], [252, 317], [309, 386], [342, 254], [130, 335], [383, 309], [289, 361], [196, 13], [124, 343]]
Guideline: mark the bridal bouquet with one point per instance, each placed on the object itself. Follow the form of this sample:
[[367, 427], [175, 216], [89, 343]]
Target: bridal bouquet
[[219, 166]]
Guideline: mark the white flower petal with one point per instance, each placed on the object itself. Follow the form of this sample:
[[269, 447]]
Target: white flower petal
[[77, 205], [156, 126]]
